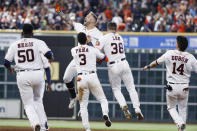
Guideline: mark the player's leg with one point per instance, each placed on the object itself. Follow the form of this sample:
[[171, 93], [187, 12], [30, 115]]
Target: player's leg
[[127, 78], [69, 74], [115, 82], [96, 89], [26, 93], [83, 97], [171, 100], [182, 106], [38, 90]]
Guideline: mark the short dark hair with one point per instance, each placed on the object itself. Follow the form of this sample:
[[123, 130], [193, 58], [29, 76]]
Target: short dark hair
[[27, 29], [182, 42], [81, 37], [111, 26]]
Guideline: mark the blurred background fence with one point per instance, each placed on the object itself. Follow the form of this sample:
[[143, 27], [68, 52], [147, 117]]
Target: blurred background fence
[[140, 48]]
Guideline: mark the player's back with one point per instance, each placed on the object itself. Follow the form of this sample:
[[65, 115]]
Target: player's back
[[27, 53], [179, 66], [85, 57], [113, 46]]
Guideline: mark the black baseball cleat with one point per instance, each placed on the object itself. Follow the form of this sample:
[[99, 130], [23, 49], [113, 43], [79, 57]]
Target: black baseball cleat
[[127, 114], [46, 126], [107, 121], [183, 126], [37, 128]]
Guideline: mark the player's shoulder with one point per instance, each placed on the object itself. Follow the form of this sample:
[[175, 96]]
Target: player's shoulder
[[97, 31], [189, 55], [37, 40], [74, 48], [106, 36], [16, 42], [77, 23]]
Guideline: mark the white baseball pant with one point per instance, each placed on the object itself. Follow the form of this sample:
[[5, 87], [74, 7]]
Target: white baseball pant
[[90, 82], [116, 74], [178, 96], [31, 86], [70, 72]]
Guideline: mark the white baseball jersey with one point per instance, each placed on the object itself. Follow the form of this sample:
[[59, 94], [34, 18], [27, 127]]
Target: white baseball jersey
[[94, 33], [85, 57], [26, 53], [179, 65], [112, 45]]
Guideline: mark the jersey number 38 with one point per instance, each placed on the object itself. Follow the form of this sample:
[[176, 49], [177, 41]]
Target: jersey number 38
[[117, 48]]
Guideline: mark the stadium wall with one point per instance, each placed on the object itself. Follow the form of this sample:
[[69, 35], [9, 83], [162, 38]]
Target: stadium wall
[[140, 48]]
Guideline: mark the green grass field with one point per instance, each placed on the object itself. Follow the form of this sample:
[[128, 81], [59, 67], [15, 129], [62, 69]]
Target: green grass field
[[127, 126]]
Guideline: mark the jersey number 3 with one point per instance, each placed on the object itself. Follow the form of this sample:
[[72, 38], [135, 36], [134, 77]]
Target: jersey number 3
[[83, 59], [179, 69], [25, 55]]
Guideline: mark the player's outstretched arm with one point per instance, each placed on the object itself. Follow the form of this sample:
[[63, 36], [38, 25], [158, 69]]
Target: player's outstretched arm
[[66, 18], [151, 65]]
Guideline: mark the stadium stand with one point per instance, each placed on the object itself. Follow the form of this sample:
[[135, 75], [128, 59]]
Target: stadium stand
[[130, 15]]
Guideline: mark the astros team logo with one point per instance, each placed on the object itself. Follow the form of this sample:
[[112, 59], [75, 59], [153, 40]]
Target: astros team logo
[[60, 6]]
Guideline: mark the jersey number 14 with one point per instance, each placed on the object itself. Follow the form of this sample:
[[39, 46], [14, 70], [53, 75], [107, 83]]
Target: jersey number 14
[[180, 69]]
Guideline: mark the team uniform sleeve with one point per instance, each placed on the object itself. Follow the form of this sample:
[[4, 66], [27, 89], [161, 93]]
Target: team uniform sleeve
[[10, 53], [73, 53], [99, 55], [194, 64], [78, 27], [43, 48], [162, 58], [100, 44], [45, 61]]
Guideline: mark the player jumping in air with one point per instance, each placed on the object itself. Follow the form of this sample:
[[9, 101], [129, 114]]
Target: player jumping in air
[[27, 54], [118, 69], [91, 31], [85, 58], [179, 65]]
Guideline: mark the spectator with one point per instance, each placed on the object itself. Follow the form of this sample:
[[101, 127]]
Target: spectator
[[117, 19], [108, 13], [135, 15]]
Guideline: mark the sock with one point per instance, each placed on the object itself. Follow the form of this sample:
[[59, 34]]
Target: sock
[[71, 89]]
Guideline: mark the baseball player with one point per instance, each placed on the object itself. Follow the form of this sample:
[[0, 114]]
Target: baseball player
[[26, 53], [179, 65], [85, 59], [91, 31], [118, 69]]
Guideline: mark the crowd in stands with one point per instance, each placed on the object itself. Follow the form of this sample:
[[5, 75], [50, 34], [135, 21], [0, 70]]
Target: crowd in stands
[[129, 15]]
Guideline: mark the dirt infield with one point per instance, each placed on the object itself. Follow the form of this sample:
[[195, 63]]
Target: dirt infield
[[52, 129]]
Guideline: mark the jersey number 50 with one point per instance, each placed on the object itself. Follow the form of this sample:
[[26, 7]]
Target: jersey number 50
[[25, 55]]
